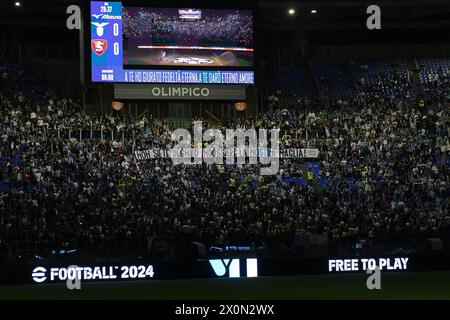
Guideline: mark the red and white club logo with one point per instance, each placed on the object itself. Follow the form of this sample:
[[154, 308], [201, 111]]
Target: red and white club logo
[[99, 46]]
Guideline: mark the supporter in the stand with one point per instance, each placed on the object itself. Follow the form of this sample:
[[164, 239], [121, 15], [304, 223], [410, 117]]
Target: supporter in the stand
[[383, 166]]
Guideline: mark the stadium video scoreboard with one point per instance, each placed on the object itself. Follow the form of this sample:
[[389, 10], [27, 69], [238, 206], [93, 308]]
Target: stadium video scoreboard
[[136, 44]]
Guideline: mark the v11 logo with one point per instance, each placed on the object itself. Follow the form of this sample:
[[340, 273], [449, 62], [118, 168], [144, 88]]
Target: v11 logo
[[232, 267]]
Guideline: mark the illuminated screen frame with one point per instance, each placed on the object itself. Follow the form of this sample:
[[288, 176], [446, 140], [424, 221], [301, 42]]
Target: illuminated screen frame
[[103, 39]]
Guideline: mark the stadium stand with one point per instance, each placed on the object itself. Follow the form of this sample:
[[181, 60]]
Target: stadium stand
[[69, 180], [343, 78]]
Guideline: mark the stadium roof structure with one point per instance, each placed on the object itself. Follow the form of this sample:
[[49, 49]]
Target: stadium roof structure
[[344, 22], [347, 14], [331, 14], [333, 21]]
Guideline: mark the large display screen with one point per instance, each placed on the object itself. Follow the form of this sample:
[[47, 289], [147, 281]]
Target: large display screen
[[188, 37], [170, 45]]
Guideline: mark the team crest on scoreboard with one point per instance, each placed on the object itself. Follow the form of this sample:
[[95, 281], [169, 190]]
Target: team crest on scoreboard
[[99, 46]]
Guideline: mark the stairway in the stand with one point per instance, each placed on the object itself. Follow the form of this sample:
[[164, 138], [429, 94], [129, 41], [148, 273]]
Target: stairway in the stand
[[413, 69], [311, 79]]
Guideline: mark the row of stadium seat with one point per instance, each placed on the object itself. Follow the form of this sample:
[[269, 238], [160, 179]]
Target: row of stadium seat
[[432, 69], [343, 78]]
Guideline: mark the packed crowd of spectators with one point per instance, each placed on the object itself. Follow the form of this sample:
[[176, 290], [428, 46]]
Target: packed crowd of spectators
[[160, 27], [383, 180]]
